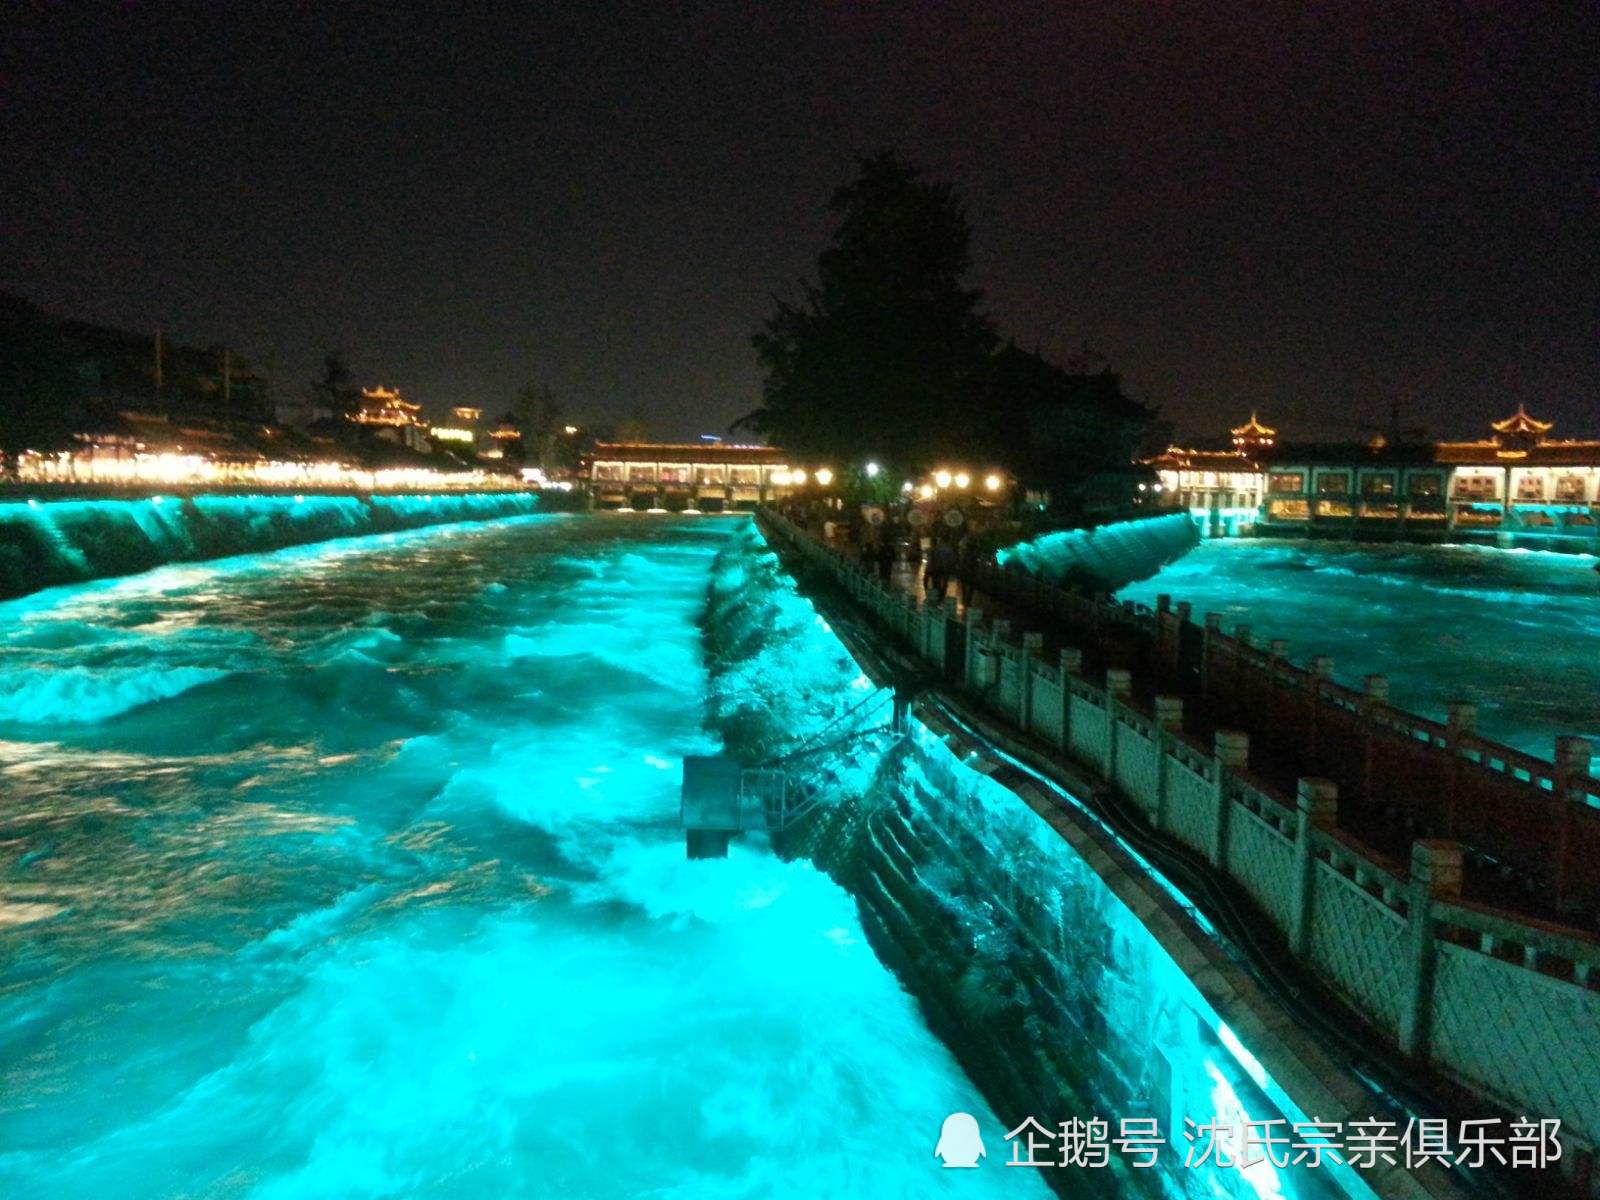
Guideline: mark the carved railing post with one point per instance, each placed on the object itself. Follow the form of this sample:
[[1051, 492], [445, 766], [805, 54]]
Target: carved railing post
[[1435, 875], [1571, 764], [1071, 666], [1210, 636], [1460, 720], [974, 627], [1321, 672], [1231, 748], [952, 652], [1119, 686], [1373, 699], [1032, 648], [1169, 637], [999, 633], [1169, 723], [1316, 807]]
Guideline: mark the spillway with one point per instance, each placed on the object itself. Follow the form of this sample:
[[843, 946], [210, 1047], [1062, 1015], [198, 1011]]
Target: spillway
[[44, 543], [1516, 631], [1105, 557]]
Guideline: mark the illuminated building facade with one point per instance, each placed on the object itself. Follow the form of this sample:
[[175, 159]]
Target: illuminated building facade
[[712, 477], [386, 406], [1222, 488], [505, 441], [462, 431], [1518, 486], [396, 417]]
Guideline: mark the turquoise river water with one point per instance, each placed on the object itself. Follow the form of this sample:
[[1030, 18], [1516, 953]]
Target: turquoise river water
[[1516, 631], [352, 870]]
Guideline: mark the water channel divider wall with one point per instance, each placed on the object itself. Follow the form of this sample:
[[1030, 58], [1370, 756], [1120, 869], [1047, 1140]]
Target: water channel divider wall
[[1505, 1004]]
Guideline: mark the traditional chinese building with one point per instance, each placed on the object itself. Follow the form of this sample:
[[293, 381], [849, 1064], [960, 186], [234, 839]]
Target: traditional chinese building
[[505, 440], [396, 417], [386, 406], [1518, 486], [1220, 485], [711, 477]]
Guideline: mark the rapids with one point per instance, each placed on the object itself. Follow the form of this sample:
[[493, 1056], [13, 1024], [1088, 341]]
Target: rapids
[[352, 871], [1516, 631]]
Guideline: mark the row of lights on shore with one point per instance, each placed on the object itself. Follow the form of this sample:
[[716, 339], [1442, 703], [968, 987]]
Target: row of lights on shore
[[940, 480], [197, 469]]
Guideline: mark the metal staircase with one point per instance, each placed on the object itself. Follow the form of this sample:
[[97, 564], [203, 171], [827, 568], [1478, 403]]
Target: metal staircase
[[723, 797]]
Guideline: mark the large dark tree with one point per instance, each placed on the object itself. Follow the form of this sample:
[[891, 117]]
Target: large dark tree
[[335, 388], [42, 390], [1053, 428], [541, 418], [879, 357]]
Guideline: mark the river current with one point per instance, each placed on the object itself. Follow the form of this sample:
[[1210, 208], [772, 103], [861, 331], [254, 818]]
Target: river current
[[1516, 631], [353, 870]]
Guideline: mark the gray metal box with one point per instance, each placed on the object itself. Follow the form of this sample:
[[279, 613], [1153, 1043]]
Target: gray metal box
[[711, 792]]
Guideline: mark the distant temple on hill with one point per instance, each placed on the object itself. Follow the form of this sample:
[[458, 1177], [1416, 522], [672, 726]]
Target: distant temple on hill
[[1518, 486]]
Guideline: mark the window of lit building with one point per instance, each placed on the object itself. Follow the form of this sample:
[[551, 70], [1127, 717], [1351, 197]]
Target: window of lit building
[[1476, 487], [1570, 489]]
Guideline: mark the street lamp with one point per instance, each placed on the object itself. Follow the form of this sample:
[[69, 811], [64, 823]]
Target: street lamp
[[824, 476], [927, 491], [797, 476], [962, 479], [906, 486], [992, 482], [872, 470], [942, 478]]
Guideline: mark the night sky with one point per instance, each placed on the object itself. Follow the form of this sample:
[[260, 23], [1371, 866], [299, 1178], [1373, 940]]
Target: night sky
[[1310, 213]]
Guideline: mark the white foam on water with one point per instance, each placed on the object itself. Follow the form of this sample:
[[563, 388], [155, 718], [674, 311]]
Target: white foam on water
[[403, 910], [81, 695], [1517, 632]]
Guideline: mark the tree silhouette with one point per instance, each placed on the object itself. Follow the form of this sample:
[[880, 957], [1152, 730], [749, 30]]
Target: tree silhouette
[[42, 391], [540, 417], [335, 389], [879, 354]]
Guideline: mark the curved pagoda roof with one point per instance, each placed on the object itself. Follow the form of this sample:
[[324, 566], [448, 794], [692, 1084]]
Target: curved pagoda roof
[[1253, 428], [1520, 422]]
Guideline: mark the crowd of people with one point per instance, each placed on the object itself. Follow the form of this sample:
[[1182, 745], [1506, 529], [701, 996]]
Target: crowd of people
[[936, 549]]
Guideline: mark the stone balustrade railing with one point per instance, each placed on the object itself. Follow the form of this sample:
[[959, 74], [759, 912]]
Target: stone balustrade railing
[[1531, 828], [1502, 1002]]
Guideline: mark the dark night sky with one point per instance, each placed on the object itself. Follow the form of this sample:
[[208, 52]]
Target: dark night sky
[[1310, 212]]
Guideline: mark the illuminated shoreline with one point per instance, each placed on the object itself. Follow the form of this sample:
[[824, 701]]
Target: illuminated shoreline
[[193, 471]]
